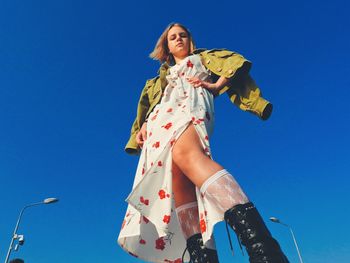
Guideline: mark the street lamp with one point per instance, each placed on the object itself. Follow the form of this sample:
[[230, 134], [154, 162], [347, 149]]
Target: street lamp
[[21, 237], [276, 220]]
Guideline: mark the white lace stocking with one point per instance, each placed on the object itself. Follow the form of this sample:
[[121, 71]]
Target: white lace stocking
[[189, 219], [222, 191]]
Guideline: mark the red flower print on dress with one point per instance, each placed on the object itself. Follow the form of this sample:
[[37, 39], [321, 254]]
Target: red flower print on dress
[[202, 225], [145, 219], [199, 121], [172, 142], [160, 244], [167, 126], [181, 74], [189, 64], [170, 110], [161, 194], [142, 241], [144, 201], [143, 171], [160, 163], [166, 219], [150, 134], [206, 137], [156, 145]]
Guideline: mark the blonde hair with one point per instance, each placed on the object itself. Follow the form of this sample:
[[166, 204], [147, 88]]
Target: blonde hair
[[161, 50]]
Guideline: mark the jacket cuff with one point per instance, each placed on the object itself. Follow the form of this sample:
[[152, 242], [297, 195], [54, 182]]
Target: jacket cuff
[[132, 147], [263, 108]]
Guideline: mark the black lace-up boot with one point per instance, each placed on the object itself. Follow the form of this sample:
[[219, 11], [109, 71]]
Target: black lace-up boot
[[251, 230], [198, 252]]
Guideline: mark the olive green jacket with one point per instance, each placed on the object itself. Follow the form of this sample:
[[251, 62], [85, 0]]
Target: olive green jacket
[[241, 88]]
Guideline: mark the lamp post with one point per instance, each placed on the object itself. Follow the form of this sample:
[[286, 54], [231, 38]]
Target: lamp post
[[15, 235], [276, 220]]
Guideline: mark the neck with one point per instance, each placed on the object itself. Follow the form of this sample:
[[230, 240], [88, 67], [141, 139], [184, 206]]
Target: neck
[[179, 59]]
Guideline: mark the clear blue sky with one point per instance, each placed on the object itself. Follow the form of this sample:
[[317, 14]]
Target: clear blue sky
[[70, 77]]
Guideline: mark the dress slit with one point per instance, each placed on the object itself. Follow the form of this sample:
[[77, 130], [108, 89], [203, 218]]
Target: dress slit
[[150, 229]]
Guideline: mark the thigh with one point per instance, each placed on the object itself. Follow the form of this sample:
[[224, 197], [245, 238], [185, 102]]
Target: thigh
[[187, 143], [190, 157], [183, 188]]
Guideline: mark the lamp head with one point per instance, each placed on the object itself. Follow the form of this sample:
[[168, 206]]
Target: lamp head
[[50, 200], [275, 220]]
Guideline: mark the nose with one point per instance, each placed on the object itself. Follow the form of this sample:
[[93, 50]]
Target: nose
[[178, 38]]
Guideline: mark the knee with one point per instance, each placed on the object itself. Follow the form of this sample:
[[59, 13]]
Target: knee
[[181, 156], [184, 157]]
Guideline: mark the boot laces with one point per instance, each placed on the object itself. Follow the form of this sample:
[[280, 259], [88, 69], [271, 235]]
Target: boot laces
[[229, 238]]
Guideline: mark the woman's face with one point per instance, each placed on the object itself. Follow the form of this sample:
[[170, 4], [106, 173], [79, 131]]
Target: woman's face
[[178, 42]]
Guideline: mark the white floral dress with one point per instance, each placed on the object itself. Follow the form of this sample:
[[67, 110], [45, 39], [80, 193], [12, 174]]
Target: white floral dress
[[150, 230]]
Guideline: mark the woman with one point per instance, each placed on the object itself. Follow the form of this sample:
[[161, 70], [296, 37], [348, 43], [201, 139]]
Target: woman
[[180, 192]]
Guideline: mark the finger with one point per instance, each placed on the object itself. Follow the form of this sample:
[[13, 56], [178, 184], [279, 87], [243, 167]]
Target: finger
[[192, 79], [144, 135], [198, 83], [194, 82], [138, 138]]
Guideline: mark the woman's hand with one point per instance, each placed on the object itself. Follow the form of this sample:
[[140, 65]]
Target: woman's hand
[[212, 87], [196, 82], [141, 136]]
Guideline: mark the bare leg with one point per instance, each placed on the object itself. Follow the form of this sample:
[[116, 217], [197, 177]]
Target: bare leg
[[183, 188], [217, 185], [185, 203], [189, 156]]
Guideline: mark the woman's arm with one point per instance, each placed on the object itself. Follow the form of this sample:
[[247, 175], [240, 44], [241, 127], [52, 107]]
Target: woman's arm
[[212, 87]]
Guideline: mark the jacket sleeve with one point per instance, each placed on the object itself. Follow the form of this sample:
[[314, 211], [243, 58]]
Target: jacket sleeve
[[142, 108], [241, 89], [226, 63], [246, 95]]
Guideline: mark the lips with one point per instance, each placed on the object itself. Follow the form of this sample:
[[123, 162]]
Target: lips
[[179, 44]]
